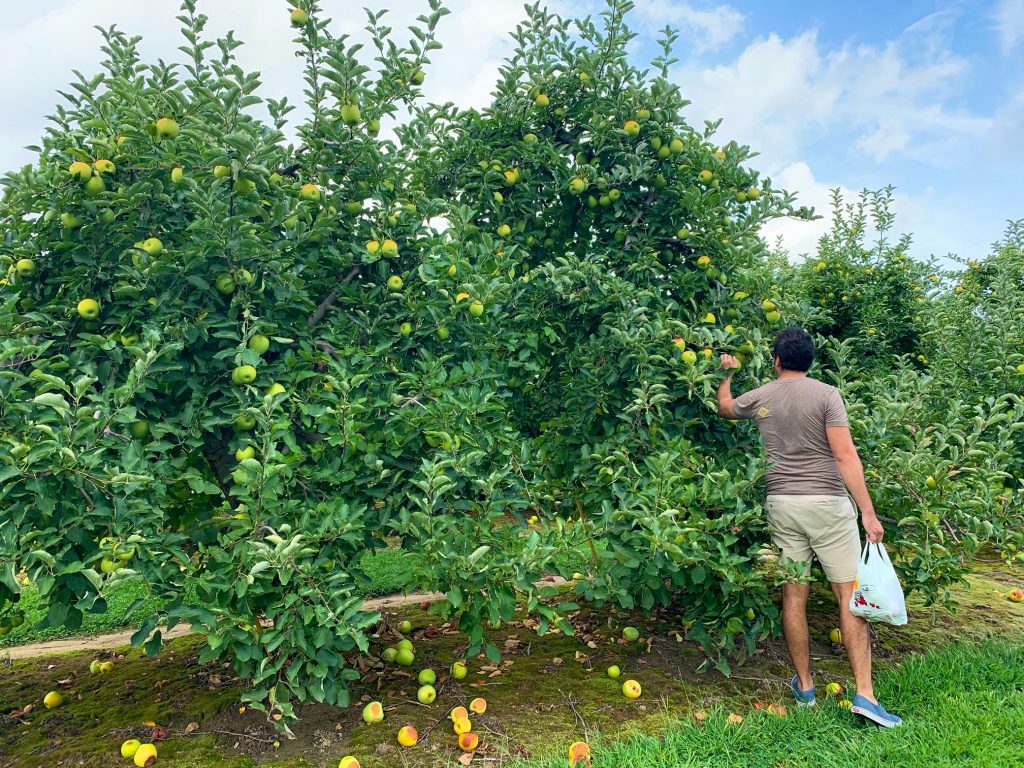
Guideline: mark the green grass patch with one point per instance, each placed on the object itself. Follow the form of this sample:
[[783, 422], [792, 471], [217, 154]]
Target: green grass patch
[[961, 704]]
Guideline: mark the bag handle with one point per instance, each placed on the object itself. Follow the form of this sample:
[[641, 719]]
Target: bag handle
[[866, 554]]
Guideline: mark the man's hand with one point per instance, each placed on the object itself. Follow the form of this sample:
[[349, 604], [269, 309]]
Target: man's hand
[[872, 527], [729, 363]]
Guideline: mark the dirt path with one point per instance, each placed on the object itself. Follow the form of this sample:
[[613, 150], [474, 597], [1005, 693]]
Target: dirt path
[[119, 639]]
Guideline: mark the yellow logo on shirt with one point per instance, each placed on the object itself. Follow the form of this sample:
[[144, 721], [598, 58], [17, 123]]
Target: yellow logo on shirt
[[762, 411]]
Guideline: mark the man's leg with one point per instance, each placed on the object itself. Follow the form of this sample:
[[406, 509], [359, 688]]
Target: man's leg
[[794, 627], [857, 639]]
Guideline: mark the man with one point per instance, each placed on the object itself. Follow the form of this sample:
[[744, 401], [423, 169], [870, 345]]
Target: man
[[813, 462]]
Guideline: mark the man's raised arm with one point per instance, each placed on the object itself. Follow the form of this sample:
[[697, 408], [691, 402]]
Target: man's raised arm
[[730, 364]]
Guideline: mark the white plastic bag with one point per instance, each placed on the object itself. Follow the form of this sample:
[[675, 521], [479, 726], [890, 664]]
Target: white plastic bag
[[877, 594]]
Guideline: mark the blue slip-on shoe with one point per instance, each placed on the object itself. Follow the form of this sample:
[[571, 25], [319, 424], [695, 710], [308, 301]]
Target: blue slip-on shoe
[[876, 713], [803, 698]]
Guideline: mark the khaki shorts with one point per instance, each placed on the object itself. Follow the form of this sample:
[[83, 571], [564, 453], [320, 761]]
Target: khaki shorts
[[820, 526]]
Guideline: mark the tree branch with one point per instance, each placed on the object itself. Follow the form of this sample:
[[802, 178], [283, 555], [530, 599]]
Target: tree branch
[[327, 303]]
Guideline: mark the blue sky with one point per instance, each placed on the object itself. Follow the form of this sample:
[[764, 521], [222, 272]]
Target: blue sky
[[926, 96]]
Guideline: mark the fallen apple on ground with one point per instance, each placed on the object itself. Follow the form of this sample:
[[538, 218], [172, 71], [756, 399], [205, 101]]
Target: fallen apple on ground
[[52, 699], [348, 762], [426, 677], [632, 634], [631, 689], [614, 672], [478, 705], [468, 741], [1015, 595], [579, 753], [459, 670], [407, 736], [130, 747], [462, 725], [834, 689], [459, 713], [373, 712], [426, 694], [145, 755]]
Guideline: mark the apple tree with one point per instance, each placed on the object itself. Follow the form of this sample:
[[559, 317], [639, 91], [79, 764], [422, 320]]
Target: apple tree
[[236, 365]]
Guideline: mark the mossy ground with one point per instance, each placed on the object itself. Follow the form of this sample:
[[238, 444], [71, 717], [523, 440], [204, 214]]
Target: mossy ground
[[543, 698]]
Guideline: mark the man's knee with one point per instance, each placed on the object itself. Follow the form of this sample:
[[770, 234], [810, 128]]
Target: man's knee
[[842, 590], [795, 594]]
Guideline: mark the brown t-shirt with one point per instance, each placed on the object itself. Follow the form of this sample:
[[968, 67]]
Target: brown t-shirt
[[792, 416]]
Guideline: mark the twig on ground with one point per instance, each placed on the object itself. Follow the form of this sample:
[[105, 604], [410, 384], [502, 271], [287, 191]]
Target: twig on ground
[[572, 705]]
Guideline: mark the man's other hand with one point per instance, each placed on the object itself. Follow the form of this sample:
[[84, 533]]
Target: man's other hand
[[729, 363], [872, 527]]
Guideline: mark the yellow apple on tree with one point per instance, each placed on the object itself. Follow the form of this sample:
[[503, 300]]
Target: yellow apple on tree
[[24, 267], [243, 374], [152, 246], [104, 166], [299, 17], [89, 309], [309, 192], [350, 114], [177, 175], [166, 128], [95, 186], [81, 171], [259, 343]]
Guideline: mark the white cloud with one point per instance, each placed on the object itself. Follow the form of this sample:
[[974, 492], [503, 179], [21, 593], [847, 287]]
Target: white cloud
[[706, 28], [938, 226], [1009, 23], [800, 238], [779, 94]]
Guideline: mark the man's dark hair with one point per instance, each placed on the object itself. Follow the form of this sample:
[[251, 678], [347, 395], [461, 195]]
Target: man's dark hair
[[795, 349]]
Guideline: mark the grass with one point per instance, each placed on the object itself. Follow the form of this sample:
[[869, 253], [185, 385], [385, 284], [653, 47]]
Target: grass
[[962, 705]]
